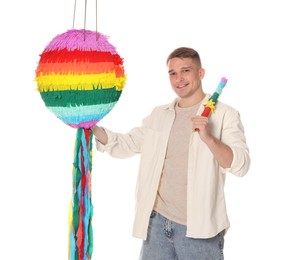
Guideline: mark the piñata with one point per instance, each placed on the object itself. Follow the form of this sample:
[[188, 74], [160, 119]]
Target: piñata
[[80, 77]]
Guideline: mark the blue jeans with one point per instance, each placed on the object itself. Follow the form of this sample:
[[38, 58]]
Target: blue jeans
[[167, 240]]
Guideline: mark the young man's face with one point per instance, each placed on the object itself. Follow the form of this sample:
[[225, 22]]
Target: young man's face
[[185, 78]]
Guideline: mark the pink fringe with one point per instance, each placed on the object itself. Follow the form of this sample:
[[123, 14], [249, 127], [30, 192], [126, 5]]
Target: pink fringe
[[84, 40]]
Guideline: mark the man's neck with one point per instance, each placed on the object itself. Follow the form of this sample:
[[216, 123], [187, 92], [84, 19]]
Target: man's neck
[[190, 102]]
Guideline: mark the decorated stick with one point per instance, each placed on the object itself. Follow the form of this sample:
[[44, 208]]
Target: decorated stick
[[210, 103]]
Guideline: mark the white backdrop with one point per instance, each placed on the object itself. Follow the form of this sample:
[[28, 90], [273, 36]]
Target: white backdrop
[[240, 40]]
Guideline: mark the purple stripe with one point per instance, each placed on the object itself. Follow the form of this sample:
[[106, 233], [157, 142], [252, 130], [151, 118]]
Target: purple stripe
[[83, 40], [85, 125]]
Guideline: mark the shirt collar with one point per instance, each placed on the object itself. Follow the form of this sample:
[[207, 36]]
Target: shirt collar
[[171, 106]]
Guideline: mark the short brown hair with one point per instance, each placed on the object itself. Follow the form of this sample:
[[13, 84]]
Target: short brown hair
[[185, 52]]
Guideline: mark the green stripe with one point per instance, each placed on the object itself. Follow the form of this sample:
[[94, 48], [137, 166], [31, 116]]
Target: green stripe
[[65, 98]]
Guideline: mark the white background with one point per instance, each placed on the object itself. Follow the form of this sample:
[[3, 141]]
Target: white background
[[241, 40]]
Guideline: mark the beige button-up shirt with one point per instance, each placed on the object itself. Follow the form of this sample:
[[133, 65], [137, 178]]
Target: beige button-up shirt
[[206, 208]]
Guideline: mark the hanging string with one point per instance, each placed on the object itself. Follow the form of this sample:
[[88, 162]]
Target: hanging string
[[96, 17], [85, 18], [96, 20], [74, 15]]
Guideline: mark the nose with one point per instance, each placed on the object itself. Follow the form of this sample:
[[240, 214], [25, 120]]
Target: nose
[[179, 77]]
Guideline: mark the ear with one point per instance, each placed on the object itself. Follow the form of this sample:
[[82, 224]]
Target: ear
[[201, 73]]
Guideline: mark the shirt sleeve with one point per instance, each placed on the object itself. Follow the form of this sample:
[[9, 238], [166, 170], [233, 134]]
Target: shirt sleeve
[[233, 135], [122, 145]]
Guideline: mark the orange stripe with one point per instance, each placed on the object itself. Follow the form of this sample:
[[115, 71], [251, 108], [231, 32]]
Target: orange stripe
[[79, 68]]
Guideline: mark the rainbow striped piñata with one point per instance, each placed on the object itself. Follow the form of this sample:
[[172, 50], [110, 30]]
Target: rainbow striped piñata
[[80, 77]]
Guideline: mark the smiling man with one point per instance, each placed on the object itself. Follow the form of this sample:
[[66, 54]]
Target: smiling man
[[180, 211], [185, 74]]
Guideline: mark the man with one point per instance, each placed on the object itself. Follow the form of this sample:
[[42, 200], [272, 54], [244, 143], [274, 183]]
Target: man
[[180, 211]]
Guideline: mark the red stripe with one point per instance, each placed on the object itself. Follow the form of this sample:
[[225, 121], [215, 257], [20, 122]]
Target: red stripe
[[80, 233], [87, 134], [206, 111], [79, 56]]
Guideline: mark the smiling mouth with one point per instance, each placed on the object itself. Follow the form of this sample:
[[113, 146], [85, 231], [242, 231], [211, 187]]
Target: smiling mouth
[[182, 86]]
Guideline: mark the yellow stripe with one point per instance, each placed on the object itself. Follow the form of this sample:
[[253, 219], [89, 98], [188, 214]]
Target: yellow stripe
[[69, 81]]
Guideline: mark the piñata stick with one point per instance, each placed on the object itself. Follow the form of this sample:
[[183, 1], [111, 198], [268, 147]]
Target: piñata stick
[[211, 102]]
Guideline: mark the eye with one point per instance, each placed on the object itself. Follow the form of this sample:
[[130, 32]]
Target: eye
[[172, 74]]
